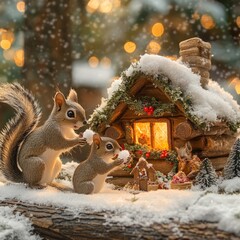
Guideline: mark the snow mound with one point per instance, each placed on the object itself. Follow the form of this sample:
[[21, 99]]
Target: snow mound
[[231, 185]]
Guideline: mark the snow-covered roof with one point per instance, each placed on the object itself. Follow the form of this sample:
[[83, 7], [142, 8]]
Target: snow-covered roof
[[202, 106]]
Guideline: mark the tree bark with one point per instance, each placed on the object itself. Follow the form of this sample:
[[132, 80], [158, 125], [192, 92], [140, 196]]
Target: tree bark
[[61, 224]]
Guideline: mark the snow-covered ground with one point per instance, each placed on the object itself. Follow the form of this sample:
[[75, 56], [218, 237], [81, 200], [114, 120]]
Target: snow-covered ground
[[129, 207]]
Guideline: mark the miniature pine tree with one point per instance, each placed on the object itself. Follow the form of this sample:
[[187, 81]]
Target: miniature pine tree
[[232, 167], [207, 176]]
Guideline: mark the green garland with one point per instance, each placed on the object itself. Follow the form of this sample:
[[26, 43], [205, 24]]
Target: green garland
[[137, 105], [161, 81], [138, 150]]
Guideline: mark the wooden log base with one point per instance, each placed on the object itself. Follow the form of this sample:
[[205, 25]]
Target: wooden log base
[[54, 223]]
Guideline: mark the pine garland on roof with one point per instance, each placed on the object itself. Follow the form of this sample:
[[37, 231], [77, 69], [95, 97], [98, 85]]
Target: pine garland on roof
[[159, 80]]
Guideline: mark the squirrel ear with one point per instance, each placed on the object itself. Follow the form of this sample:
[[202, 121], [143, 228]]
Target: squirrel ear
[[72, 96], [59, 100], [97, 140]]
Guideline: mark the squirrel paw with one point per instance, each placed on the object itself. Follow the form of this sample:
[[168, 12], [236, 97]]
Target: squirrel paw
[[82, 141], [118, 161]]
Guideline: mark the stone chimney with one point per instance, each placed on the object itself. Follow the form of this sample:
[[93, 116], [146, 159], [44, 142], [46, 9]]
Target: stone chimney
[[197, 54]]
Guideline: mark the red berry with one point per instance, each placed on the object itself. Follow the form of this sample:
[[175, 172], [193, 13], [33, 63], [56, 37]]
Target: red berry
[[140, 152], [149, 113], [146, 109], [148, 154], [151, 109], [129, 165]]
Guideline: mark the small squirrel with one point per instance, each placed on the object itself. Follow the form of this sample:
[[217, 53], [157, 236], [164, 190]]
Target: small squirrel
[[29, 153], [90, 175]]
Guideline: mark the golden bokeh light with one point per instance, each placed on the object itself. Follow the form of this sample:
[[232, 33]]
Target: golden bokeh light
[[130, 47], [92, 6], [93, 62], [21, 6], [157, 29], [8, 35], [102, 6], [19, 57], [235, 82], [238, 21], [106, 62], [207, 22], [5, 44], [153, 47], [106, 6]]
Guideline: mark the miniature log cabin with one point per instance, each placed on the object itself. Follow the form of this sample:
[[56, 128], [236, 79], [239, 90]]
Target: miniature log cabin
[[158, 104]]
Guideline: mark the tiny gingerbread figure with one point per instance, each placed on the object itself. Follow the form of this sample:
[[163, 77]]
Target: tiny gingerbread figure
[[144, 175]]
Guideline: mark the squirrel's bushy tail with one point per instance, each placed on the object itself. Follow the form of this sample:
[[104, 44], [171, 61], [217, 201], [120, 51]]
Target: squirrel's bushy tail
[[17, 129]]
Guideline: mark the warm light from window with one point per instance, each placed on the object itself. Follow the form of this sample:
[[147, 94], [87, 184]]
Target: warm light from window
[[19, 58], [153, 47], [21, 6], [207, 22], [152, 134], [130, 47], [142, 133], [160, 138], [238, 21], [157, 29], [5, 44], [93, 62]]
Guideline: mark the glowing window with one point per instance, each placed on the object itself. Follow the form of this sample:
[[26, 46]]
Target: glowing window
[[152, 134]]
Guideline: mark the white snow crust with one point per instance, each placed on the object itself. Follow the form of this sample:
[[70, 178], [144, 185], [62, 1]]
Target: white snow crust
[[129, 208]]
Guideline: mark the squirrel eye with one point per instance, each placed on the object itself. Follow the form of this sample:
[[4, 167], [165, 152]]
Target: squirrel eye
[[70, 114], [109, 146]]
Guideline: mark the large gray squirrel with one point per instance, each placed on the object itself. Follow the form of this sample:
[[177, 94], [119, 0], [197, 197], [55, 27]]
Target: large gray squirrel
[[29, 153], [90, 175]]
